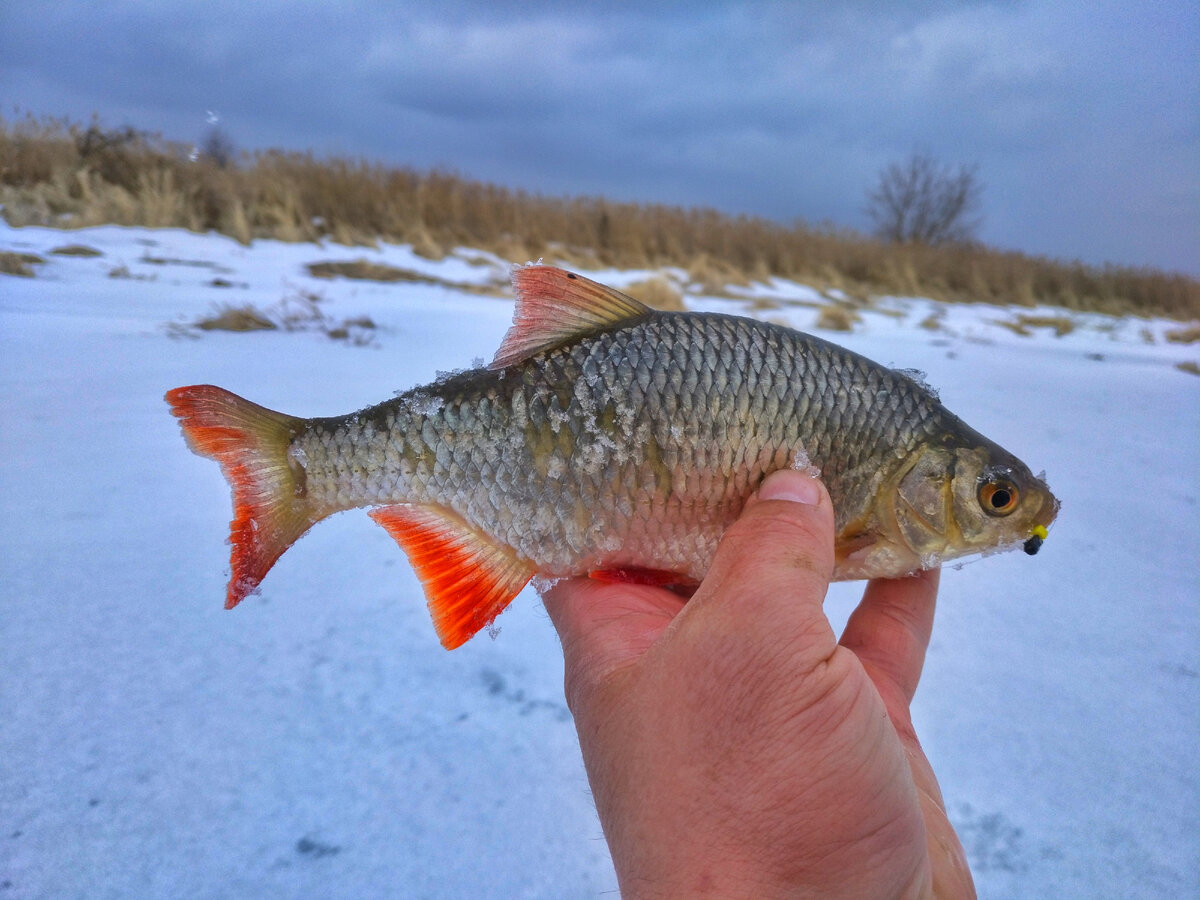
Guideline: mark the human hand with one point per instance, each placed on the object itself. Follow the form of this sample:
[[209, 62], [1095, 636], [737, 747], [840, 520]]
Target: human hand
[[734, 746]]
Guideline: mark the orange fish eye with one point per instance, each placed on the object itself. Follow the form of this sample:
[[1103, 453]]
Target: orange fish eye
[[998, 498]]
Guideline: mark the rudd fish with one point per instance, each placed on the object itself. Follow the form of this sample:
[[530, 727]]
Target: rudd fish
[[609, 439]]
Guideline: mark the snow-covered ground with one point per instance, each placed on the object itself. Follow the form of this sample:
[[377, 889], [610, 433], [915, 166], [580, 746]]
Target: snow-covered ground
[[318, 742]]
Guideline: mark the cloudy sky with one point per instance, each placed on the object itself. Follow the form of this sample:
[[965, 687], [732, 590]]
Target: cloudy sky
[[1083, 118]]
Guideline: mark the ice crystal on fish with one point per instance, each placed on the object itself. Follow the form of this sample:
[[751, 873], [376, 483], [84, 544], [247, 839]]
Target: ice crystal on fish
[[802, 463]]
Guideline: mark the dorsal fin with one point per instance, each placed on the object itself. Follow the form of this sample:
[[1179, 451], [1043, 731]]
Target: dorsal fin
[[553, 306]]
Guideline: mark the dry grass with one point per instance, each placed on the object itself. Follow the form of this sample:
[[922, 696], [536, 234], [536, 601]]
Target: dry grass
[[18, 263], [934, 321], [657, 292], [837, 317], [1061, 324], [1189, 367], [122, 271], [1024, 325], [296, 312], [236, 318], [76, 250], [1188, 335], [54, 172], [365, 270], [1014, 326]]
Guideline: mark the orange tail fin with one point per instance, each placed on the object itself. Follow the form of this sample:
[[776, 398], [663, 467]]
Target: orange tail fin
[[270, 507]]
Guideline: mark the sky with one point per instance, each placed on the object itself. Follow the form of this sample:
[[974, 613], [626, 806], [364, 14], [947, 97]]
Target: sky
[[1082, 118]]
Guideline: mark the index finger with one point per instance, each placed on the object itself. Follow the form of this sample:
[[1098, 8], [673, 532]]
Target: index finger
[[605, 627], [889, 631]]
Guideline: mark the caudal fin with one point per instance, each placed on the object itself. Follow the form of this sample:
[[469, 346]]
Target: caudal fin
[[270, 505]]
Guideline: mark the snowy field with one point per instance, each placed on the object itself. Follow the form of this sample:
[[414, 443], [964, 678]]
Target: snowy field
[[318, 742]]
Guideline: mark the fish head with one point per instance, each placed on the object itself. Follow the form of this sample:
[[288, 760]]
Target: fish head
[[953, 501]]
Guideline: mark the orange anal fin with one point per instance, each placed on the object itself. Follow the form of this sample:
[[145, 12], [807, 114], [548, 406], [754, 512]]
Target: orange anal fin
[[468, 578], [680, 584]]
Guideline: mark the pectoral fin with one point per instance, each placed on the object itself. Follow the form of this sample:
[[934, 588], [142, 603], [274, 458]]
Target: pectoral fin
[[468, 578]]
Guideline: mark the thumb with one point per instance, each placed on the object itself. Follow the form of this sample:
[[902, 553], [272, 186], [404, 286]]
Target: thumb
[[773, 566], [778, 554]]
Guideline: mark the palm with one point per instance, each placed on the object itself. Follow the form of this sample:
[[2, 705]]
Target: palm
[[800, 696]]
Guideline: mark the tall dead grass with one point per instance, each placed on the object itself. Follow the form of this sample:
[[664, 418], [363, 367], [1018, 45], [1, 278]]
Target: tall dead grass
[[56, 172]]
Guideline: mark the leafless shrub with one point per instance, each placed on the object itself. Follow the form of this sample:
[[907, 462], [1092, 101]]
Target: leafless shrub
[[922, 201], [218, 148]]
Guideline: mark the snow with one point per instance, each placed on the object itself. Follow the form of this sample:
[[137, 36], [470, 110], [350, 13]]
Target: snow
[[317, 741]]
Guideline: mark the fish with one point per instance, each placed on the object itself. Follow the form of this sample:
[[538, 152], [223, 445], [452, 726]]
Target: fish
[[612, 440]]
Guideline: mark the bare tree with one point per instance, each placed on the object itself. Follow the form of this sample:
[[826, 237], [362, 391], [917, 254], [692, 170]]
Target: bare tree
[[922, 201], [218, 148]]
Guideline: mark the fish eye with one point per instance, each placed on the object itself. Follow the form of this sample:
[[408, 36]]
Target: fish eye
[[998, 498]]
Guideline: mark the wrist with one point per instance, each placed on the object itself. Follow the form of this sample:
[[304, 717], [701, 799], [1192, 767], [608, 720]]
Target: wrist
[[704, 874]]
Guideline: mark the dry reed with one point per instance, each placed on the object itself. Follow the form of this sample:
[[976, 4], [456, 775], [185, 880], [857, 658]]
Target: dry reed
[[55, 172]]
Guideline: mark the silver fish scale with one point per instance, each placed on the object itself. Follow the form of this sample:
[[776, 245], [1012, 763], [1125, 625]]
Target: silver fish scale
[[634, 446]]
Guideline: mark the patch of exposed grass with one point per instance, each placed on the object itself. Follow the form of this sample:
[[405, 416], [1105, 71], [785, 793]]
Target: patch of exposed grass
[[300, 311], [762, 304], [658, 293], [1014, 326], [933, 321], [122, 271], [236, 318], [837, 317], [1187, 335], [1024, 325], [171, 261], [1061, 324], [18, 263], [365, 270], [1189, 366], [76, 250]]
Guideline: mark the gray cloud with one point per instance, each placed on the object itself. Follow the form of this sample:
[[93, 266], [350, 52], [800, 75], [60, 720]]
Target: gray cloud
[[1082, 117]]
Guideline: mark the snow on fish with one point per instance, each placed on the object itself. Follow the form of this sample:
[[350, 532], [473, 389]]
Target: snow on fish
[[615, 441]]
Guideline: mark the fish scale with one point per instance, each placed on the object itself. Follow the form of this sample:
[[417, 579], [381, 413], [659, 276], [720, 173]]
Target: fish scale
[[441, 457], [606, 438]]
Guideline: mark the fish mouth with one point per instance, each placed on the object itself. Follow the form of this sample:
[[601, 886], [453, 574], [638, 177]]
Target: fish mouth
[[1038, 533], [1034, 543]]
